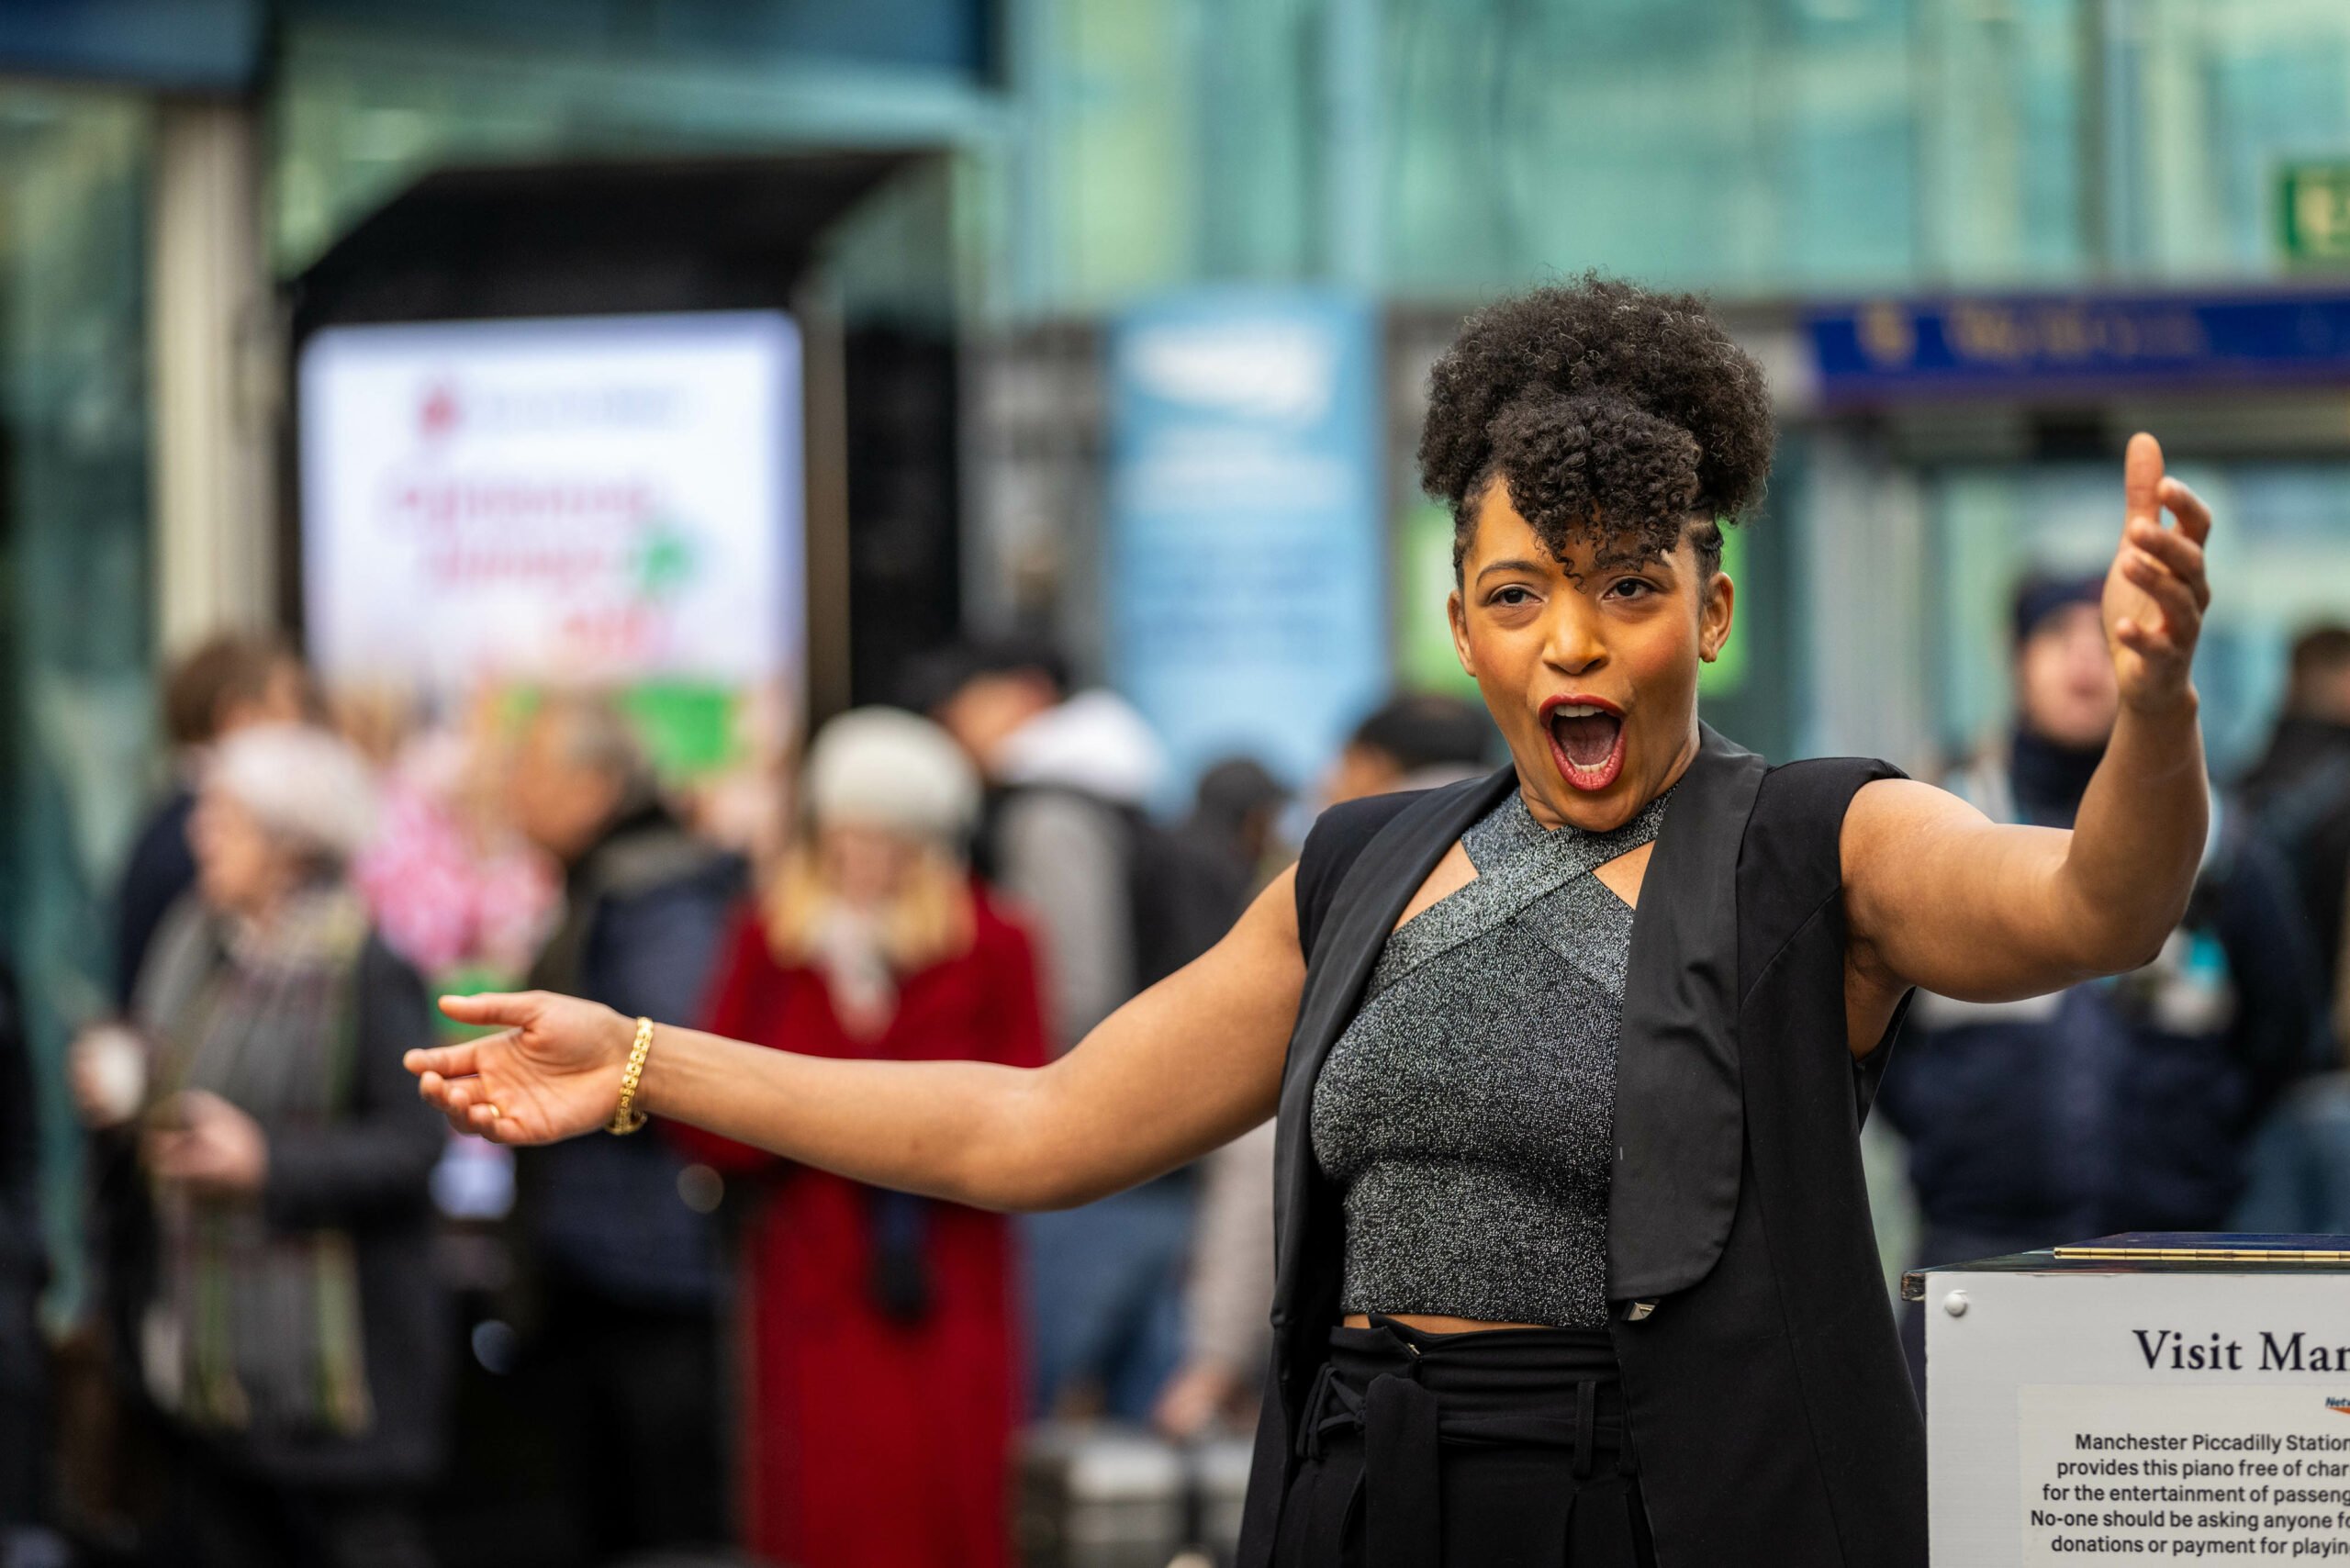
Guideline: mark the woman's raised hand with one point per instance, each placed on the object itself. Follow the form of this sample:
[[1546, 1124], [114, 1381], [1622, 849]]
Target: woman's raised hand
[[2156, 591], [554, 1073]]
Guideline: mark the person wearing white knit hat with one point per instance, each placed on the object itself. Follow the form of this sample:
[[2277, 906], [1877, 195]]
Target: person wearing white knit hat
[[886, 767], [306, 791], [880, 887], [872, 1312]]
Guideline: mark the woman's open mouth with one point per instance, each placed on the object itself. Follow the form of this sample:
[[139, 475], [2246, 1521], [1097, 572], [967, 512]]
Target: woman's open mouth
[[1586, 740]]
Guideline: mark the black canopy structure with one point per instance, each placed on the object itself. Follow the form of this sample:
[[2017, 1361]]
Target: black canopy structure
[[589, 238], [618, 238]]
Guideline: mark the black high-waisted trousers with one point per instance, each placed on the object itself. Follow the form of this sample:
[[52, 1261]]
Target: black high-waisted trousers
[[1500, 1449]]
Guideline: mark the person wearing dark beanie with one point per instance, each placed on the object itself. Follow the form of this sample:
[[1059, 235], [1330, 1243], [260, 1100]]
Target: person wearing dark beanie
[[2116, 1105], [2064, 698]]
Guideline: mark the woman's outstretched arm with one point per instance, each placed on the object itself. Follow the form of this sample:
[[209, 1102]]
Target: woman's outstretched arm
[[1939, 896], [1191, 1063]]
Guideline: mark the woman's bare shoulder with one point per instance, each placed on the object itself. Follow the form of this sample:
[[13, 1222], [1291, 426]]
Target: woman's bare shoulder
[[1887, 815]]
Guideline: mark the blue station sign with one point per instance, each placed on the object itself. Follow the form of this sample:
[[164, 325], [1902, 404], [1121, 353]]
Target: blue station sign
[[1893, 350]]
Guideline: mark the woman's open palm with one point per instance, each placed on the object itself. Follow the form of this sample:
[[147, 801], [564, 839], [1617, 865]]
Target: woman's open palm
[[552, 1072]]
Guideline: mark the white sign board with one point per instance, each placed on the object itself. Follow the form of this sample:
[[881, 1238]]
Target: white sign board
[[2150, 1414], [592, 499]]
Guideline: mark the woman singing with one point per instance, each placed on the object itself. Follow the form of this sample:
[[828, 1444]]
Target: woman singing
[[1568, 1063]]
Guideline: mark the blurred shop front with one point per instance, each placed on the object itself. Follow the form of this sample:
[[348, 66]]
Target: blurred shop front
[[630, 333]]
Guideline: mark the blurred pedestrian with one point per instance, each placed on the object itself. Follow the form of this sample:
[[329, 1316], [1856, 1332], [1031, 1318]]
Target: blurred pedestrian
[[262, 1170], [881, 1386], [2299, 1167], [2116, 1105], [1234, 835], [1417, 739], [1119, 903], [1229, 1288], [2301, 791], [452, 881], [218, 688], [621, 1255]]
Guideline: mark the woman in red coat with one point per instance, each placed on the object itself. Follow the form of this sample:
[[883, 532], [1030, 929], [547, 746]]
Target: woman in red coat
[[881, 1376]]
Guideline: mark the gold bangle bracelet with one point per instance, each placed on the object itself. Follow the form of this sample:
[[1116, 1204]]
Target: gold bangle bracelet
[[626, 1117]]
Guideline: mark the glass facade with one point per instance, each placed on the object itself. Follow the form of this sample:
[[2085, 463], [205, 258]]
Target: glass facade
[[1764, 149], [74, 687], [1427, 151]]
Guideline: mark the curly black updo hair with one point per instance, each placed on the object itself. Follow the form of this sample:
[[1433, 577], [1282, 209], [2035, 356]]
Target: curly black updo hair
[[1617, 415]]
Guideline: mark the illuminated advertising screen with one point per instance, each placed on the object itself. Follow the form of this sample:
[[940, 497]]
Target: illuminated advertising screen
[[604, 500]]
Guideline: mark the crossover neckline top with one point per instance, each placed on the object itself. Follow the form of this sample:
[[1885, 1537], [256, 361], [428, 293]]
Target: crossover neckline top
[[1762, 1377], [1466, 1113]]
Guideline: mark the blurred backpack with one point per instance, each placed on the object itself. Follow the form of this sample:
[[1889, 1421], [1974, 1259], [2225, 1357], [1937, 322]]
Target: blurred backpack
[[1178, 896]]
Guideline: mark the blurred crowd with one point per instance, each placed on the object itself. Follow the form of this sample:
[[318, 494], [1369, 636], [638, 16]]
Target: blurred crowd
[[308, 1305]]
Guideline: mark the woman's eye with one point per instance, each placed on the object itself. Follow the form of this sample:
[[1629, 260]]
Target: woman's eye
[[1633, 587], [1512, 596]]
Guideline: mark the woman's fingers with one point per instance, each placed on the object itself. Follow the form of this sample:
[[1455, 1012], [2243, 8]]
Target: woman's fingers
[[450, 1095], [2181, 556], [2181, 610], [466, 1106], [2182, 503], [510, 1008], [2142, 477], [461, 1061]]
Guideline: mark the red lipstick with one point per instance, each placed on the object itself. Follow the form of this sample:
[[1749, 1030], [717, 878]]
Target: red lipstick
[[1586, 739]]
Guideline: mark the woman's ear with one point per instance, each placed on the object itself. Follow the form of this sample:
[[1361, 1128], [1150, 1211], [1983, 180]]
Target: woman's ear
[[1715, 615], [1456, 618]]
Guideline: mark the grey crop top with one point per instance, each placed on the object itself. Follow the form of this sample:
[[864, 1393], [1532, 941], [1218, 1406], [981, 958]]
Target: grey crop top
[[1467, 1113]]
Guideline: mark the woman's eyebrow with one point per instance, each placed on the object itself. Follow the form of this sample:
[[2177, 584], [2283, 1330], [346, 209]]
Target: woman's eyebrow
[[1513, 565]]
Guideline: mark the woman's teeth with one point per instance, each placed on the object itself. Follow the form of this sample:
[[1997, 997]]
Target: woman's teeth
[[1589, 741]]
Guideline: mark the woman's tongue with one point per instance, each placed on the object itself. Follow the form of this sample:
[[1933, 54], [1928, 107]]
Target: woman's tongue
[[1588, 742]]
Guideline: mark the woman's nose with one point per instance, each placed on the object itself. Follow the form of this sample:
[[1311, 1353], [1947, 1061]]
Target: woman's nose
[[1575, 644]]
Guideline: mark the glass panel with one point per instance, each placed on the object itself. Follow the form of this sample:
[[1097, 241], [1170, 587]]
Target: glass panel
[[1757, 148], [1677, 141], [73, 547], [2225, 92]]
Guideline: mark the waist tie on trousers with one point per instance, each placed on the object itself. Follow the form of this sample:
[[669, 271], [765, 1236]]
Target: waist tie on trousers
[[1405, 1416]]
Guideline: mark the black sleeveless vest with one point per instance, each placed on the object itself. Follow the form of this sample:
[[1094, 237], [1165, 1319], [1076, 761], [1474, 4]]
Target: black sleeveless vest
[[1764, 1379]]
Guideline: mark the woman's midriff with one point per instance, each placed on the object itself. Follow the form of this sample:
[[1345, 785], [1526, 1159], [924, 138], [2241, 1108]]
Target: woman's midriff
[[1436, 1323]]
